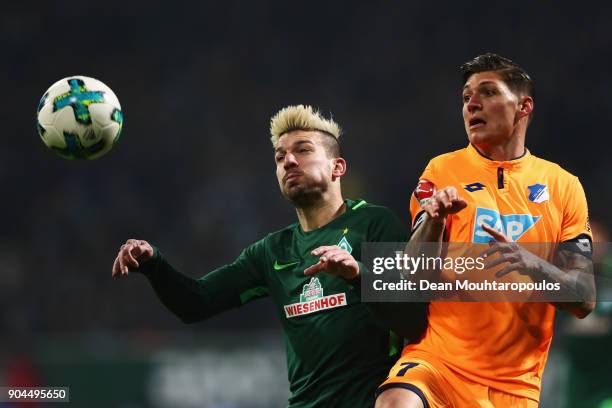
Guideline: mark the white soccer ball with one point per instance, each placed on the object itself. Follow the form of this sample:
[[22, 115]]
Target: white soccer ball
[[79, 118]]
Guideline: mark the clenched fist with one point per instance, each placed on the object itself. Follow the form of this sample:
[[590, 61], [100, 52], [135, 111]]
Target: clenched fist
[[444, 202]]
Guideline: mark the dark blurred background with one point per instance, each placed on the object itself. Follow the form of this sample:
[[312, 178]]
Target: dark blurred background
[[194, 171]]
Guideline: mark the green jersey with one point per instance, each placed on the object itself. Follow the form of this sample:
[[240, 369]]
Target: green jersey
[[338, 352]]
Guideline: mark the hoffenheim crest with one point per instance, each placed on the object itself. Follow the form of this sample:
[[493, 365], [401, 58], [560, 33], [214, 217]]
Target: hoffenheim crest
[[538, 193]]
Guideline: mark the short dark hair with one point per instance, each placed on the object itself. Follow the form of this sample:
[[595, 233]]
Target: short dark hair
[[330, 144], [517, 79]]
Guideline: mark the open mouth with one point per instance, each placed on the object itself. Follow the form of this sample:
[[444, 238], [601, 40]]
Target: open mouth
[[477, 122]]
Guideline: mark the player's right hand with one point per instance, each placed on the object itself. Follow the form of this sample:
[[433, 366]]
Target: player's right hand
[[129, 256], [444, 202]]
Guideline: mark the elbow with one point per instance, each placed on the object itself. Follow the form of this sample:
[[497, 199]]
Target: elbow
[[584, 310], [579, 310]]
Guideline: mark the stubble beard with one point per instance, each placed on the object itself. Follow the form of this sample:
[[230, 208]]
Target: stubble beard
[[306, 196]]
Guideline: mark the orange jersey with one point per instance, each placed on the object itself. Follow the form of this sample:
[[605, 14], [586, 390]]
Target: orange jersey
[[501, 345]]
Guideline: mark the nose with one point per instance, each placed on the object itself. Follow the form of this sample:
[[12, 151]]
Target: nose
[[474, 103], [289, 161]]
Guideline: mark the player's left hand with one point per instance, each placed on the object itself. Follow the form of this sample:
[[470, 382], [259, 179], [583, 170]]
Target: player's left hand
[[334, 260], [519, 259]]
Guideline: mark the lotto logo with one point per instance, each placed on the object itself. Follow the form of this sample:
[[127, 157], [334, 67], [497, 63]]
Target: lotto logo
[[513, 226]]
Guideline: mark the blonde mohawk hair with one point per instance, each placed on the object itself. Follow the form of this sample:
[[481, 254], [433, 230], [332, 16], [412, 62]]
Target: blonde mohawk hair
[[301, 117]]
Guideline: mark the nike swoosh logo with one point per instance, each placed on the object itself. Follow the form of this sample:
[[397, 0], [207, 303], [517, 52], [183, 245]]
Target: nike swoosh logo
[[278, 267]]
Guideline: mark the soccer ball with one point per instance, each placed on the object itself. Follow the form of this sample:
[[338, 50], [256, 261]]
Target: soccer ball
[[79, 118]]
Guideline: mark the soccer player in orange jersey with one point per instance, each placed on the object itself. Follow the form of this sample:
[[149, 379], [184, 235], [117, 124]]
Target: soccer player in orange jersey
[[492, 354]]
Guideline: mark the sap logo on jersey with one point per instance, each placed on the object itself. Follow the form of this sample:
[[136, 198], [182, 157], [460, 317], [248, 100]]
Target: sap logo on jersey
[[512, 226]]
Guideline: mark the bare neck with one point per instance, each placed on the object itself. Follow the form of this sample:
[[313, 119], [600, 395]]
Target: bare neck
[[509, 149], [320, 213]]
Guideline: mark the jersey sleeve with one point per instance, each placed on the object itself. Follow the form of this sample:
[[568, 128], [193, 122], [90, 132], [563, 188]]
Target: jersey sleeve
[[575, 213], [425, 189], [224, 288]]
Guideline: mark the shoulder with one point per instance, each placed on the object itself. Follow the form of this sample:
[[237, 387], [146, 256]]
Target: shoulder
[[371, 210], [261, 251], [564, 188], [438, 166], [459, 155], [379, 221], [553, 170], [380, 224], [271, 240], [279, 236]]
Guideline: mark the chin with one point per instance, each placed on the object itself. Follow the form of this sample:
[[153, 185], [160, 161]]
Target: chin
[[302, 196], [303, 200], [478, 138]]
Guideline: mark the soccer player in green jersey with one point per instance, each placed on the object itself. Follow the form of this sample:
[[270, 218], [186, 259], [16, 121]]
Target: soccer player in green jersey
[[337, 350]]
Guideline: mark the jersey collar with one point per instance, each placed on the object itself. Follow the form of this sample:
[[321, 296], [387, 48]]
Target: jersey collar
[[516, 164]]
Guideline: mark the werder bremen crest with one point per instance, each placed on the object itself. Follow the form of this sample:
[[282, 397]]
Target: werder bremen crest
[[344, 244], [312, 290]]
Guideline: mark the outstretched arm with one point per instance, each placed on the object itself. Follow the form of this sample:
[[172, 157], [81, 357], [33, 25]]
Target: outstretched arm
[[190, 299]]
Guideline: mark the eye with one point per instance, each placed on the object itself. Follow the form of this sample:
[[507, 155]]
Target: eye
[[466, 98], [489, 92], [279, 158]]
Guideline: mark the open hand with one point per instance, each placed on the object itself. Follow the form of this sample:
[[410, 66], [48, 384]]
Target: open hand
[[334, 260], [517, 257]]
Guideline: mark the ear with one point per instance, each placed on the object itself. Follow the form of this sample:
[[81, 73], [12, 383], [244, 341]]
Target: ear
[[339, 168], [525, 106]]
